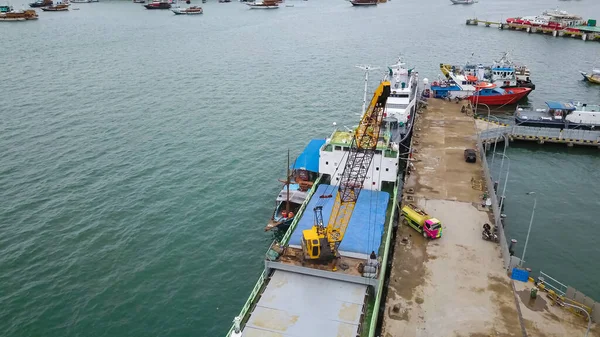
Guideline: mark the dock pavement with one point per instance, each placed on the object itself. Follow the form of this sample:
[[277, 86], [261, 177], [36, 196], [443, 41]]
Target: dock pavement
[[457, 285]]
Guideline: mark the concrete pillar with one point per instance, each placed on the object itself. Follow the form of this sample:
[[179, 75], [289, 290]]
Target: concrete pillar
[[561, 33], [584, 37], [528, 29], [540, 141], [533, 29], [555, 33], [569, 144]]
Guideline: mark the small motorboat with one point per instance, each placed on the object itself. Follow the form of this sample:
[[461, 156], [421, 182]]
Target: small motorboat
[[265, 4], [463, 2], [594, 77], [490, 94], [6, 9], [189, 11], [57, 8], [139, 1], [364, 2], [41, 3], [158, 5]]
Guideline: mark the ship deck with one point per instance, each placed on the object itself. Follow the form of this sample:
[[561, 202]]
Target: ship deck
[[346, 265], [303, 305], [304, 298]]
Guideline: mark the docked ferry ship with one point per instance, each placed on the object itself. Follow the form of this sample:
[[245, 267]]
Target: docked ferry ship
[[323, 278]]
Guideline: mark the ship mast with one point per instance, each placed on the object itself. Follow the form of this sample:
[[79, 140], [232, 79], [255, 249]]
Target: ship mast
[[287, 202], [366, 68]]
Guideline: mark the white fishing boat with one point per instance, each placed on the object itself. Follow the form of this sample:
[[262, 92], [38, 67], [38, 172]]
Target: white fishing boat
[[265, 4], [192, 10]]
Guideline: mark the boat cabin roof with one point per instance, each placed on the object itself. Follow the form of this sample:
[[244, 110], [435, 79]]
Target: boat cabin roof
[[309, 158], [560, 105], [344, 139]]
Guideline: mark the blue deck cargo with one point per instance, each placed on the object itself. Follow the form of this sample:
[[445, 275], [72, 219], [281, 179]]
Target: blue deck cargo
[[366, 224]]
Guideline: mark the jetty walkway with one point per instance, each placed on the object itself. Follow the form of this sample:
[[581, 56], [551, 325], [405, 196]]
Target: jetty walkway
[[458, 285], [569, 137], [585, 33]]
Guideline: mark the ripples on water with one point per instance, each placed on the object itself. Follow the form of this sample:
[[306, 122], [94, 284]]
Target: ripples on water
[[140, 150]]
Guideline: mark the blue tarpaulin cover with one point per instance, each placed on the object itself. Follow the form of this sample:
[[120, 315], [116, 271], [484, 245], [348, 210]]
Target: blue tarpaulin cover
[[309, 158], [560, 105], [366, 224], [520, 275]]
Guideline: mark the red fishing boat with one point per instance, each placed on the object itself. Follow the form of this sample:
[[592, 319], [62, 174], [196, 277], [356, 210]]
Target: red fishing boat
[[488, 93]]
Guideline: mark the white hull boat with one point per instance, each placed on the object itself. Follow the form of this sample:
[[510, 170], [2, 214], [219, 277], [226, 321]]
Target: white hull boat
[[262, 5], [193, 10]]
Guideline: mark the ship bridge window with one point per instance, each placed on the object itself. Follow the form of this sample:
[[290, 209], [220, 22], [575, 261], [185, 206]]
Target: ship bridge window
[[338, 148], [328, 148]]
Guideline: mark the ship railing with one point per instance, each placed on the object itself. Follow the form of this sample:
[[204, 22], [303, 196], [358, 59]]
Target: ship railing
[[539, 133], [264, 275], [383, 269]]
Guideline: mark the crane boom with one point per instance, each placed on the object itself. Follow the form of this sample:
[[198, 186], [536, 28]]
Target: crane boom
[[362, 150]]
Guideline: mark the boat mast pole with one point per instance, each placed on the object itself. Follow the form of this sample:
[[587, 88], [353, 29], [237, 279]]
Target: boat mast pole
[[287, 202], [366, 68]]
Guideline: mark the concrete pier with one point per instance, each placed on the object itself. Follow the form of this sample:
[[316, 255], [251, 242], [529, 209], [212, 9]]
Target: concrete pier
[[456, 285]]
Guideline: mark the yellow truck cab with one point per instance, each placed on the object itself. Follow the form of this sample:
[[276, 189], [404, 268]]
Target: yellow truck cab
[[422, 222]]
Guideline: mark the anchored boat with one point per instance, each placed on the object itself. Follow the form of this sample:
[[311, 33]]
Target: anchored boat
[[463, 2], [564, 115], [58, 8], [192, 10], [488, 93], [503, 73], [323, 278], [24, 15], [364, 2], [161, 4], [469, 87], [266, 4], [41, 3], [299, 181], [594, 77]]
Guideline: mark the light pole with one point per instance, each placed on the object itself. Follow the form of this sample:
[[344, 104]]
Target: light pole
[[495, 138], [505, 181], [488, 116], [530, 223], [586, 312]]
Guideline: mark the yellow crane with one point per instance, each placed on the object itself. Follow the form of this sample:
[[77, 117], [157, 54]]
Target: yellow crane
[[321, 242]]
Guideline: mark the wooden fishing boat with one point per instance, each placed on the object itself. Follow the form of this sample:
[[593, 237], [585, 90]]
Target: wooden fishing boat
[[265, 4], [25, 15], [57, 8]]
